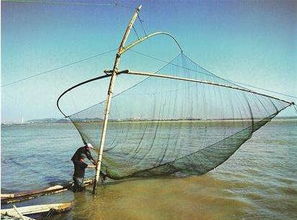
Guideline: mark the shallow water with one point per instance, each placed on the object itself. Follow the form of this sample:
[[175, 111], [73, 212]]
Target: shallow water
[[258, 182]]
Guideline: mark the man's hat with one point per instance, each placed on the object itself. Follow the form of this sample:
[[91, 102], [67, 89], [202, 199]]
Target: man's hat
[[89, 145]]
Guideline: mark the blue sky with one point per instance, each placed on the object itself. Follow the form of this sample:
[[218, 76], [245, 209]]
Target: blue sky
[[252, 42]]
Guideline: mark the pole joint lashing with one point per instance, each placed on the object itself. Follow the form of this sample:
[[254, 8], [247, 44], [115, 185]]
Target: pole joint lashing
[[109, 93], [138, 8], [108, 72], [123, 71]]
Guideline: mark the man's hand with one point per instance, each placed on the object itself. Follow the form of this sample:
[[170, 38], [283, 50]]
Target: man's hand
[[103, 176], [91, 166]]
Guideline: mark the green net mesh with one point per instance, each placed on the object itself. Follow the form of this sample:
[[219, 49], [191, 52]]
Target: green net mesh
[[164, 126]]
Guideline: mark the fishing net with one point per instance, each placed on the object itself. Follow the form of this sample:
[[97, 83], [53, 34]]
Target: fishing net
[[163, 126]]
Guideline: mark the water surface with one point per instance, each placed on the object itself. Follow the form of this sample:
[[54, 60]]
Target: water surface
[[258, 182]]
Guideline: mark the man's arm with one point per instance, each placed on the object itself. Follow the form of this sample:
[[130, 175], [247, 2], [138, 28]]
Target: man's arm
[[89, 156], [81, 164]]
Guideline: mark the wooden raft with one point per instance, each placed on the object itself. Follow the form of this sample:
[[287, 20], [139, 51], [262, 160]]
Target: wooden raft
[[31, 194], [45, 210]]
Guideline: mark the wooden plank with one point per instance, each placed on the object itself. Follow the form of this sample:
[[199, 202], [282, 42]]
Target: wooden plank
[[20, 214], [36, 209], [16, 216], [26, 195]]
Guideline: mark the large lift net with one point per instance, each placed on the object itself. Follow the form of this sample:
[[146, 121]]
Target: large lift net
[[181, 120]]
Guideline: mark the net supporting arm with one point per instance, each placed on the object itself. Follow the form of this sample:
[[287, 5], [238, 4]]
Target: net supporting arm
[[124, 49], [165, 76]]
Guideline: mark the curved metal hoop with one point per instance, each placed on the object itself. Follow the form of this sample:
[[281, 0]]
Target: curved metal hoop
[[77, 85], [121, 52]]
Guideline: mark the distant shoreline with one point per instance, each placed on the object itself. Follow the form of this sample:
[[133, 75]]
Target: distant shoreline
[[62, 121]]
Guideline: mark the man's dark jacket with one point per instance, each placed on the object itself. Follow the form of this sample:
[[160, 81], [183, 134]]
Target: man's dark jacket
[[81, 153]]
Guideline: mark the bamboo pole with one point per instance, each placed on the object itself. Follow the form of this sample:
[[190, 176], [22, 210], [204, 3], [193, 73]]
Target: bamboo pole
[[128, 47], [167, 76], [17, 211], [109, 95]]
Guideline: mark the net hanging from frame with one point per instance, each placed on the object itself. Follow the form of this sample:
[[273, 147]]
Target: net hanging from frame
[[181, 120], [184, 125]]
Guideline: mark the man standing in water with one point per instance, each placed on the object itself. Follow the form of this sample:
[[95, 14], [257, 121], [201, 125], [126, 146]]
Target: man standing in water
[[80, 166]]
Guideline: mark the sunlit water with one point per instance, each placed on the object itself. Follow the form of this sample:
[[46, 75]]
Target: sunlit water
[[258, 182]]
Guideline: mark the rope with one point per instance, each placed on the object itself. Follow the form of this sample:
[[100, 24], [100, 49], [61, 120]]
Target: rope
[[135, 32], [141, 23], [149, 56], [230, 81], [57, 68], [295, 107], [267, 90], [63, 3]]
